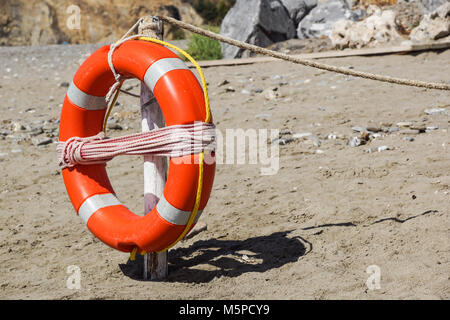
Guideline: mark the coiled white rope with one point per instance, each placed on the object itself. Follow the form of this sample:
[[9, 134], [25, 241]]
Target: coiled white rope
[[171, 141]]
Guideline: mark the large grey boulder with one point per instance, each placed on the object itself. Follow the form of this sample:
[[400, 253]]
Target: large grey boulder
[[321, 19], [298, 9], [259, 22]]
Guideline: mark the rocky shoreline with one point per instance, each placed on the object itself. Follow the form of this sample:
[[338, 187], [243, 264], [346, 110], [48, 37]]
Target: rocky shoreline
[[346, 24]]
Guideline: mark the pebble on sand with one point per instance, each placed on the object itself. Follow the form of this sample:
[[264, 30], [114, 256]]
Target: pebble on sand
[[404, 124], [41, 141], [355, 142], [271, 93], [378, 149], [64, 84], [262, 116], [435, 111]]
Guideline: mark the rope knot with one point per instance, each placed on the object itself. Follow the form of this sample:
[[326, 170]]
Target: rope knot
[[70, 151]]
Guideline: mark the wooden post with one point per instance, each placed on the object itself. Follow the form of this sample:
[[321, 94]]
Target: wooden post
[[155, 168]]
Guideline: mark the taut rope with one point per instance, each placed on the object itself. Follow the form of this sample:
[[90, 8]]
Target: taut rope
[[309, 63]]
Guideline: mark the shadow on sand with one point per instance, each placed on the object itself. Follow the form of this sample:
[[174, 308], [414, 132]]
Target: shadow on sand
[[208, 259]]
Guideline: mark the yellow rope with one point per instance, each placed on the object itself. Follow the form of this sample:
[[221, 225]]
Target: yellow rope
[[197, 66], [198, 198], [110, 107], [189, 57], [133, 254], [201, 155]]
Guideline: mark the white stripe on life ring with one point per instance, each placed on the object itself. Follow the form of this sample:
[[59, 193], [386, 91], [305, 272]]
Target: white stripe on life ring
[[173, 215], [96, 202], [160, 68], [164, 208], [84, 100]]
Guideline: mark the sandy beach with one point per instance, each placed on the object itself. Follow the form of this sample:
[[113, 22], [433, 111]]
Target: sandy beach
[[310, 231]]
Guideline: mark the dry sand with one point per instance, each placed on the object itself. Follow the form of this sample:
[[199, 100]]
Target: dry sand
[[308, 232]]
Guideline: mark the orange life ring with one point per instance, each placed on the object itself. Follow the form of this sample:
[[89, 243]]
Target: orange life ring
[[182, 101]]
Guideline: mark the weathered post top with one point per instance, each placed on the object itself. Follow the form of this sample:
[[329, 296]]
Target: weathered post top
[[152, 26]]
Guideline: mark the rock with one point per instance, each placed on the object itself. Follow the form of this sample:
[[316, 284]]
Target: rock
[[309, 136], [382, 148], [433, 26], [378, 28], [410, 139], [48, 127], [271, 93], [64, 84], [180, 10], [18, 137], [223, 83], [377, 149], [374, 129], [285, 132], [282, 141], [435, 111], [123, 115], [359, 129], [301, 135], [355, 142], [332, 136], [259, 22], [431, 128], [298, 9], [114, 126], [17, 127], [404, 124], [429, 6], [409, 131], [16, 150], [36, 131], [408, 15], [24, 22], [230, 89], [393, 129], [321, 19], [41, 141], [263, 116], [315, 140], [420, 128], [377, 135]]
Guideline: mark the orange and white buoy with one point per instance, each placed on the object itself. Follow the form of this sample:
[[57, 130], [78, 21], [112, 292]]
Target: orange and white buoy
[[190, 178]]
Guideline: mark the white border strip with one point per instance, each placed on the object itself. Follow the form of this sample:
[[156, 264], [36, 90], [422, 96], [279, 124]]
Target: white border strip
[[96, 202], [84, 100], [173, 215], [160, 68]]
